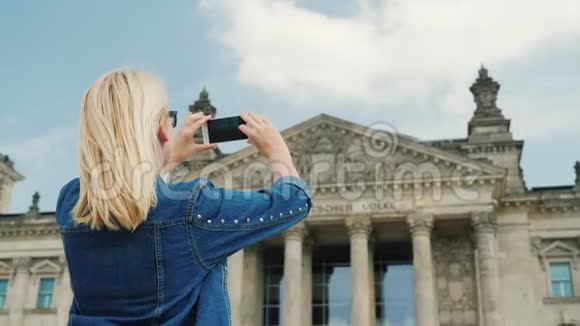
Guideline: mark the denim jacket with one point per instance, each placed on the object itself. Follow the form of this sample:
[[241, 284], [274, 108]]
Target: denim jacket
[[172, 269]]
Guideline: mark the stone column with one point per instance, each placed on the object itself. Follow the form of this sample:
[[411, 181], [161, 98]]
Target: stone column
[[235, 282], [18, 291], [293, 275], [360, 229], [252, 287], [426, 311], [484, 225], [372, 296], [307, 282]]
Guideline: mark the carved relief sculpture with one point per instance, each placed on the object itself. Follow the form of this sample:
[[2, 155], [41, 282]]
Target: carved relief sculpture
[[453, 258]]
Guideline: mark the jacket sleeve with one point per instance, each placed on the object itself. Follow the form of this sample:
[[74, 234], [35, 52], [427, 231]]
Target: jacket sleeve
[[226, 220]]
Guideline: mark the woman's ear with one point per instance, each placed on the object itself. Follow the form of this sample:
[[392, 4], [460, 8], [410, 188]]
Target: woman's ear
[[161, 135]]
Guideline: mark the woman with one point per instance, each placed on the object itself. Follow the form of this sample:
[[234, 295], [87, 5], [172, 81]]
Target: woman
[[143, 252]]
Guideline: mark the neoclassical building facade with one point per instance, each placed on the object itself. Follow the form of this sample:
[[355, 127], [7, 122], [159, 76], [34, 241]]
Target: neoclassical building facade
[[402, 232]]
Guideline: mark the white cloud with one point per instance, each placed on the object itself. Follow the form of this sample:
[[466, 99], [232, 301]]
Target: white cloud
[[39, 150], [538, 117], [393, 52], [390, 52], [47, 161], [533, 116]]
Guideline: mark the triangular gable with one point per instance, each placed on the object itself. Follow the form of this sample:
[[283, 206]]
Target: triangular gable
[[335, 129], [558, 249], [45, 266]]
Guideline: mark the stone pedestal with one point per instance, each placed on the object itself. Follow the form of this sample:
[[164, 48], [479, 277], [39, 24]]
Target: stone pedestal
[[426, 310], [484, 225], [293, 301], [360, 229]]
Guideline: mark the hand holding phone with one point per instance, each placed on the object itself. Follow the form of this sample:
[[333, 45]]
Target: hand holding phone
[[222, 130], [183, 146], [269, 143]]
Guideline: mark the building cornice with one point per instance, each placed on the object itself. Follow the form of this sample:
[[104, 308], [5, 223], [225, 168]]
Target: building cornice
[[27, 225], [560, 201], [27, 231], [495, 147], [465, 147]]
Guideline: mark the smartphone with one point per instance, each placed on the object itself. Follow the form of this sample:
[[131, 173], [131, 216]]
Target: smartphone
[[222, 130]]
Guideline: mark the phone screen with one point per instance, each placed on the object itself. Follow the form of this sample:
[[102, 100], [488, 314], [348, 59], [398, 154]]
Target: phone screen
[[225, 129]]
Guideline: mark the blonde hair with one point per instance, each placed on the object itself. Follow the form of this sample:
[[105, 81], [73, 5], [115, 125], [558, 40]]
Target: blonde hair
[[119, 152]]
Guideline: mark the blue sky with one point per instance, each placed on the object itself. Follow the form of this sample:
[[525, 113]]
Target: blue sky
[[407, 62]]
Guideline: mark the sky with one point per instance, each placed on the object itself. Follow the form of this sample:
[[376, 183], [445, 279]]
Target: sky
[[408, 62]]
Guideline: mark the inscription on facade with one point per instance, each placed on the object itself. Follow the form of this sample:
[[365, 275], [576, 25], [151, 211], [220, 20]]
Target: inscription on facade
[[354, 207], [378, 206], [331, 209]]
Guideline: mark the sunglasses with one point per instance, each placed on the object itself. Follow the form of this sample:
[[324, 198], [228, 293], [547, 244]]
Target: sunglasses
[[173, 117]]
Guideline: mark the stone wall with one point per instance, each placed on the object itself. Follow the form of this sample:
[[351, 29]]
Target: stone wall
[[554, 236], [455, 280]]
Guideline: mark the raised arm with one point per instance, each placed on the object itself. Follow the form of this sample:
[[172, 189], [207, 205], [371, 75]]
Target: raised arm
[[227, 220]]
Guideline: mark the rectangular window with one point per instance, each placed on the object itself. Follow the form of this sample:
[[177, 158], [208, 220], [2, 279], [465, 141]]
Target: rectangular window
[[394, 285], [561, 280], [394, 290], [331, 287], [45, 293], [273, 295], [3, 292]]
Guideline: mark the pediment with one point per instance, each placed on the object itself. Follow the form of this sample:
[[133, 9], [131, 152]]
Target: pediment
[[326, 146], [559, 249], [45, 266]]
